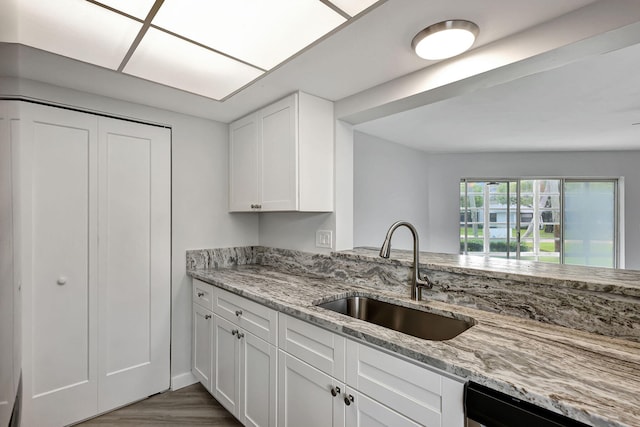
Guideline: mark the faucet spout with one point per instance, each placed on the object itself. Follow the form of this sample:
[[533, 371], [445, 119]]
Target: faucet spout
[[415, 281]]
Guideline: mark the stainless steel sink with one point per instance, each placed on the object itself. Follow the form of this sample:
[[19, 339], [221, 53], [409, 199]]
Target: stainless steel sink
[[421, 324]]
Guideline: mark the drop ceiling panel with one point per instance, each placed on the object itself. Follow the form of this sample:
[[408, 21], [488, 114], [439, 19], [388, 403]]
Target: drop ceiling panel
[[262, 33], [138, 8], [353, 7], [9, 21], [174, 62], [77, 29]]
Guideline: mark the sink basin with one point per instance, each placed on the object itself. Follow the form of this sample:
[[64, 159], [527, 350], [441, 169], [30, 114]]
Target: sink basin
[[420, 324]]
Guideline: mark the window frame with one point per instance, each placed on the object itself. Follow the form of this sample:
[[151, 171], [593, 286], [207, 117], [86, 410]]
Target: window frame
[[618, 238]]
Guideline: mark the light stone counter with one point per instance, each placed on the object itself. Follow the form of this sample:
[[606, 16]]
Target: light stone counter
[[614, 281], [588, 377]]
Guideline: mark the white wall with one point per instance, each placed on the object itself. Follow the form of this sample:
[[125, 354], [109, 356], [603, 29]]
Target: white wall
[[199, 194], [444, 171], [390, 183], [294, 230]]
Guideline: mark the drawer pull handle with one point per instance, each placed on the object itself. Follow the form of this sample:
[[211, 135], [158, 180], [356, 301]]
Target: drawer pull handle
[[240, 335], [207, 316], [234, 331], [200, 294], [238, 313], [335, 391], [348, 399]]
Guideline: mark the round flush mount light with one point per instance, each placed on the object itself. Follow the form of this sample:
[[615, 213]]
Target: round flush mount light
[[445, 39]]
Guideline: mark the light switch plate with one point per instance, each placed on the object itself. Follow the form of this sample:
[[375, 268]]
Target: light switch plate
[[324, 239]]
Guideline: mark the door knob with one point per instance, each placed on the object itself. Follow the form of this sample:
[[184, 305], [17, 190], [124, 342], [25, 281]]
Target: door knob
[[61, 280], [348, 399], [335, 391]]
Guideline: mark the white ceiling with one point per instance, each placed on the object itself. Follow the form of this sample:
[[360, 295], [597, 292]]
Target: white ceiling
[[587, 104]]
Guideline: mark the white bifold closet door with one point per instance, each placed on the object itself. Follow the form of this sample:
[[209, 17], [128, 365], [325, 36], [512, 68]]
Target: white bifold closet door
[[95, 199]]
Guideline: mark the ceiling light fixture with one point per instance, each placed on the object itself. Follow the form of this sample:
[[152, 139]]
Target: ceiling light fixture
[[445, 39]]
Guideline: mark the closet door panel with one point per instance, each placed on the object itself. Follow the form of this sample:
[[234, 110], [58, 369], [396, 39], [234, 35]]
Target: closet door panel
[[134, 258], [59, 160]]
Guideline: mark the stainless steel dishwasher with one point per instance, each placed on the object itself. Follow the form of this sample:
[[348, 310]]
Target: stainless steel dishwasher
[[490, 408]]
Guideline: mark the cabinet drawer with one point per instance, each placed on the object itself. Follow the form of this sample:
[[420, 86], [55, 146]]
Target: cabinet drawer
[[203, 294], [258, 319], [424, 396], [318, 347]]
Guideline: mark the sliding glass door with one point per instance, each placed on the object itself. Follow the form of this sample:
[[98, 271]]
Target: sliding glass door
[[556, 220]]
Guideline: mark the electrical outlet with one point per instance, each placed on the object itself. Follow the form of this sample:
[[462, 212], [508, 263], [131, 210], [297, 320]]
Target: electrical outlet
[[324, 239]]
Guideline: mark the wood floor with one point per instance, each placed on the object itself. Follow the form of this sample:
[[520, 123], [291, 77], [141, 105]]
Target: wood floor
[[189, 406]]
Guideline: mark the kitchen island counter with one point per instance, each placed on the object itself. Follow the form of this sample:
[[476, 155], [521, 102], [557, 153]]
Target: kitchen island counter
[[588, 377]]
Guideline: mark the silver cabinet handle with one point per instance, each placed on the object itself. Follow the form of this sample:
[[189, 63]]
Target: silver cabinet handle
[[335, 391], [348, 399], [256, 206], [61, 280], [240, 335], [238, 313], [234, 331], [207, 316], [200, 294]]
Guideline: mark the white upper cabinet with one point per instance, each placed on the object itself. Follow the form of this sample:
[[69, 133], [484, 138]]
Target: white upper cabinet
[[281, 157]]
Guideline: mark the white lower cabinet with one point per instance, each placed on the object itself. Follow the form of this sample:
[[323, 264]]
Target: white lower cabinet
[[376, 388], [307, 396], [229, 357], [226, 364], [202, 340], [419, 394], [304, 375], [244, 379]]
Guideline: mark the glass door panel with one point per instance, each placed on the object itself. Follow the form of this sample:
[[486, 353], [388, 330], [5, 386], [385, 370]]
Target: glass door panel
[[590, 223]]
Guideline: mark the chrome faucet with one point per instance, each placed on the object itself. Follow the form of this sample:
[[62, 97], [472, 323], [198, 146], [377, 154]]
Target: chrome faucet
[[415, 281]]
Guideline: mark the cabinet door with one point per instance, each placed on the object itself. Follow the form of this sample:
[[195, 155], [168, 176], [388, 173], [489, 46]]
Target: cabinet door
[[202, 345], [58, 158], [226, 364], [258, 376], [256, 318], [304, 395], [134, 218], [433, 401], [365, 412], [279, 167], [243, 164], [320, 348]]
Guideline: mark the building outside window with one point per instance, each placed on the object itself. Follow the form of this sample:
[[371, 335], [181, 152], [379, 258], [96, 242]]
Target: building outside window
[[556, 220]]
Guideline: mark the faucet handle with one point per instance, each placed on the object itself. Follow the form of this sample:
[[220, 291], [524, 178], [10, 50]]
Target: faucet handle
[[424, 282]]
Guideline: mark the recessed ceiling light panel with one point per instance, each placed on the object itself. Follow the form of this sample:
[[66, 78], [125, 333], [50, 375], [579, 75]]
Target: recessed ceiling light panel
[[261, 33], [138, 8], [9, 21], [445, 39], [169, 60], [353, 7], [77, 29]]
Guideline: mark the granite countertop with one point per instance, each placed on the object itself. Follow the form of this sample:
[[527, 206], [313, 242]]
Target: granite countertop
[[613, 281], [588, 377]]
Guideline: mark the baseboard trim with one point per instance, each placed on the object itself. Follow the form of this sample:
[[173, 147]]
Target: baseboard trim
[[182, 380]]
